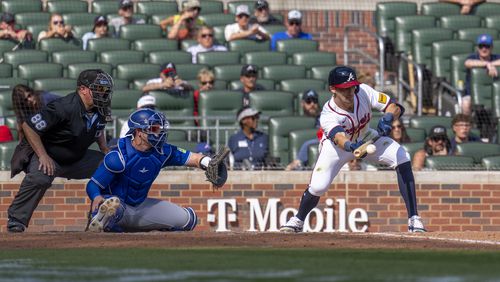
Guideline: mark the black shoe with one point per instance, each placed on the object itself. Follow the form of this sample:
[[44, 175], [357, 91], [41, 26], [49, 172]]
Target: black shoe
[[14, 226]]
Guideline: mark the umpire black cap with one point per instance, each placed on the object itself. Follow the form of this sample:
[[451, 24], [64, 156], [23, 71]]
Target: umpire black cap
[[343, 77]]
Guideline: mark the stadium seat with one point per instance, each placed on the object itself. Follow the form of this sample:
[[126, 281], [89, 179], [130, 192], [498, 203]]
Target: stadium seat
[[130, 72], [50, 84], [120, 83], [404, 27], [177, 135], [186, 145], [6, 102], [386, 14], [140, 31], [491, 163], [10, 82], [273, 28], [297, 138], [108, 44], [471, 34], [219, 103], [105, 7], [267, 84], [66, 58], [175, 107], [291, 46], [150, 45], [157, 18], [185, 44], [219, 36], [320, 72], [75, 69], [427, 122], [157, 7], [496, 100], [244, 46], [189, 71], [300, 85], [442, 52], [17, 7], [6, 46], [217, 19], [415, 134], [281, 72], [36, 29], [34, 71], [261, 59], [111, 16], [176, 57], [458, 69], [449, 163], [312, 59], [457, 22], [32, 18], [68, 6], [273, 103], [481, 87], [15, 58], [413, 147], [422, 43], [478, 150], [439, 9], [118, 57], [124, 101], [312, 155], [228, 72], [57, 44], [486, 9], [211, 7], [84, 18], [6, 152], [279, 130], [492, 21], [5, 70], [218, 58]]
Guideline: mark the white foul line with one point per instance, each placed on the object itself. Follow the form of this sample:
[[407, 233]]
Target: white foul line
[[469, 241]]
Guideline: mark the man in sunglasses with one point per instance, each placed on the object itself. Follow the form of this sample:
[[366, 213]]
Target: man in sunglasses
[[262, 15], [436, 144], [126, 16], [248, 79], [293, 29], [205, 43], [242, 29], [483, 58], [184, 25], [168, 81], [57, 141]]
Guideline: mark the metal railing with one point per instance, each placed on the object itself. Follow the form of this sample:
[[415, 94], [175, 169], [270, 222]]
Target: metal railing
[[418, 88], [443, 85]]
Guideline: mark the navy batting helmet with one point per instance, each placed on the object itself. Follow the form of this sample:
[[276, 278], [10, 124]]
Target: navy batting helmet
[[153, 123], [343, 77]]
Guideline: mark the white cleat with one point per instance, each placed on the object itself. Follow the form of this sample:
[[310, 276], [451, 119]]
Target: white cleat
[[294, 225], [105, 212], [415, 224]]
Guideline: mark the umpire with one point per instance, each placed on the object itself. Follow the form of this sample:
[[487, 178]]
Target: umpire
[[56, 143]]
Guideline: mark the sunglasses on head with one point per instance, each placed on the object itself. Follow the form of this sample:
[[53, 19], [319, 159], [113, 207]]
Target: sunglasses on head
[[207, 35], [58, 22], [297, 23], [207, 82], [484, 46]]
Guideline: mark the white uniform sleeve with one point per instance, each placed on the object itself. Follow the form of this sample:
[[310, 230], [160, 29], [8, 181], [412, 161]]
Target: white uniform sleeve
[[328, 120], [378, 100]]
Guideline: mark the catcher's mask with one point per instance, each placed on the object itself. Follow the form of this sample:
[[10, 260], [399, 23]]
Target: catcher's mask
[[101, 85], [151, 122]]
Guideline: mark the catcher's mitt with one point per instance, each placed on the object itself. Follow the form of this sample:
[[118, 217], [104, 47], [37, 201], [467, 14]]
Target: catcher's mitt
[[216, 170]]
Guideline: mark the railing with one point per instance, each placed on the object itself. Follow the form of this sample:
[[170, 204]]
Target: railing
[[443, 85], [418, 88]]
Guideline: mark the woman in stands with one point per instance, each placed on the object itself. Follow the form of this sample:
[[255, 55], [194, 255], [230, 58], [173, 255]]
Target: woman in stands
[[399, 133], [100, 30], [56, 29]]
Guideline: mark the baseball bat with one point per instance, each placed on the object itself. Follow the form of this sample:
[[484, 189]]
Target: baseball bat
[[361, 150], [411, 80]]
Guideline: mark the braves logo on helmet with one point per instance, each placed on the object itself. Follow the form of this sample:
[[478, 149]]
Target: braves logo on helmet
[[343, 77]]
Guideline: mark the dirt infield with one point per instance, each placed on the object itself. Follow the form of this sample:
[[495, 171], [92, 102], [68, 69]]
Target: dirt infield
[[428, 241]]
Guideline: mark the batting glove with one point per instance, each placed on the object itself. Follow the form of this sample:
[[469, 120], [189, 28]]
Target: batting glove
[[384, 126], [351, 147]]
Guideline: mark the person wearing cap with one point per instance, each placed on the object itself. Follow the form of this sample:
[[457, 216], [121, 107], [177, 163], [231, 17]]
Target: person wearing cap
[[483, 58], [168, 80], [248, 78], [293, 29], [242, 29], [57, 141], [184, 25], [145, 102], [436, 144], [461, 125], [345, 123], [249, 146], [205, 43], [126, 16], [262, 15], [467, 5], [100, 30], [8, 29], [57, 29]]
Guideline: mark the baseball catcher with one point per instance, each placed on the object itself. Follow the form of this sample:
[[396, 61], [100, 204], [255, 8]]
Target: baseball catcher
[[119, 187]]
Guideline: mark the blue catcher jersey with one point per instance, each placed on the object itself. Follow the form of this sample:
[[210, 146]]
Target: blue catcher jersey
[[129, 174]]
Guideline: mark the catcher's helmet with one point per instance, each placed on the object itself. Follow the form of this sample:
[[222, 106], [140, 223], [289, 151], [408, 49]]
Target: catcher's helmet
[[153, 123], [343, 77]]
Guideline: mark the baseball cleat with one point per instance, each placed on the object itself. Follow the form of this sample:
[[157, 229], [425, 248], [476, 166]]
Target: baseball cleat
[[104, 215], [415, 224], [14, 226], [294, 225]]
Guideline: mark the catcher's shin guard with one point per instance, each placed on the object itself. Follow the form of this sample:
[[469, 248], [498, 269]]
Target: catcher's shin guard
[[108, 213], [193, 220]]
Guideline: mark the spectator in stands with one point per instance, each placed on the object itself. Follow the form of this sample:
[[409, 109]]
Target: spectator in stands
[[57, 29], [461, 126], [398, 132], [310, 106], [206, 80], [436, 144], [8, 31], [26, 102], [483, 58], [248, 78], [100, 30], [241, 29], [126, 16], [184, 25], [249, 147], [205, 43], [293, 29], [146, 101], [467, 5], [262, 15], [168, 80]]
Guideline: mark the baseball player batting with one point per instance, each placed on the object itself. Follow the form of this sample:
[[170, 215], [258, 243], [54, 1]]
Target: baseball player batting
[[345, 123]]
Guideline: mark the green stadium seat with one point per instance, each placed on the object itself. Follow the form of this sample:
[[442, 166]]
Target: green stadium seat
[[234, 4], [157, 18], [228, 72], [413, 147], [130, 72], [244, 46], [439, 9], [5, 70], [83, 18], [273, 28], [175, 107], [486, 9], [496, 100], [63, 92], [492, 21], [457, 22], [140, 31], [491, 163], [118, 57], [185, 44], [75, 69], [281, 72], [297, 138], [386, 13], [66, 58], [312, 155], [34, 71], [320, 72], [415, 134], [189, 71], [120, 83], [481, 87], [57, 44], [15, 58], [186, 145], [267, 84], [273, 103], [138, 84], [32, 18], [10, 82], [478, 150], [404, 27], [36, 29], [261, 59], [108, 44], [422, 43], [217, 19], [279, 130], [150, 45], [458, 69], [219, 36], [176, 57], [449, 163], [50, 84], [312, 59], [211, 7], [105, 7], [218, 58], [80, 30], [6, 102], [219, 103], [291, 46], [17, 7], [300, 85], [68, 6], [124, 101], [6, 152], [471, 34], [442, 52], [111, 16], [427, 122], [6, 46], [157, 7], [177, 135]]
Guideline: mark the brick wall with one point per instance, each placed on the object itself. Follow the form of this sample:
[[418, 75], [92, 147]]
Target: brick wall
[[447, 203]]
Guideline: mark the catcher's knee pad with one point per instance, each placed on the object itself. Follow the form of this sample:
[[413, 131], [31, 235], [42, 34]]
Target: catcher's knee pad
[[192, 221]]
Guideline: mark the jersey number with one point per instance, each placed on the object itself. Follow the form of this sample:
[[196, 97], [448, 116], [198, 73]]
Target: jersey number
[[39, 123]]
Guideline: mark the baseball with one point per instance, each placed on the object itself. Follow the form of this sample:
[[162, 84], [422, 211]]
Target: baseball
[[370, 149]]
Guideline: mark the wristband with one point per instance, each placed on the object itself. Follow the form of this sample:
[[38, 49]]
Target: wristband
[[204, 162], [347, 146]]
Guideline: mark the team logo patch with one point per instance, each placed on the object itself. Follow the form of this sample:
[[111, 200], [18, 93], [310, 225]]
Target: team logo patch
[[382, 98], [181, 150]]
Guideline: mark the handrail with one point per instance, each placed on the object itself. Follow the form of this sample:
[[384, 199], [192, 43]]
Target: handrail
[[420, 81], [458, 93], [381, 46]]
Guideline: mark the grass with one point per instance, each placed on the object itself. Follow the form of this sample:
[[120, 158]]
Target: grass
[[228, 264]]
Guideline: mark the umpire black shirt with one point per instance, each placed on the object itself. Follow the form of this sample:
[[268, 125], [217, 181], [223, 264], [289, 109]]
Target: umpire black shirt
[[65, 128]]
